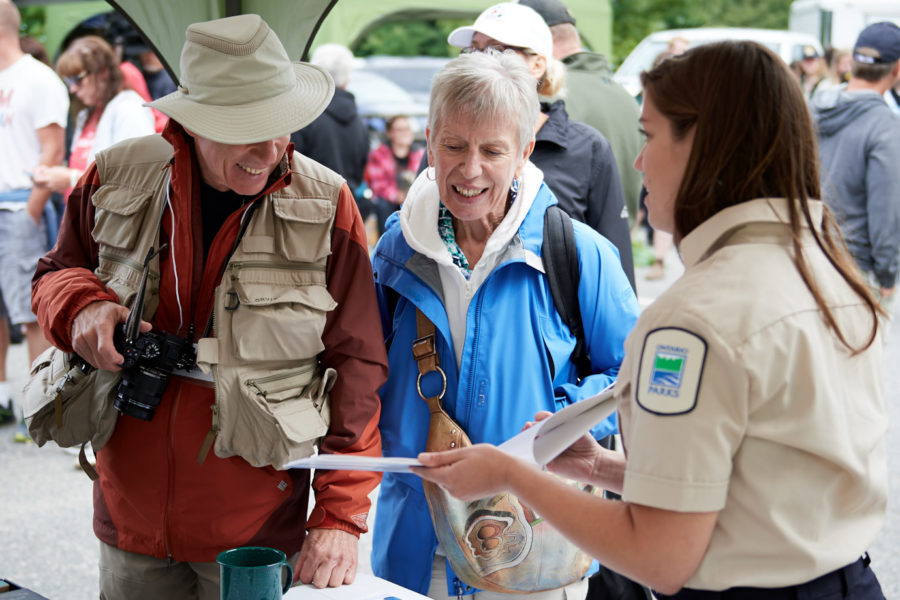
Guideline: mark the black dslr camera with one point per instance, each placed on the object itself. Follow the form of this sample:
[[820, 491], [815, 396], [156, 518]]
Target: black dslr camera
[[149, 358]]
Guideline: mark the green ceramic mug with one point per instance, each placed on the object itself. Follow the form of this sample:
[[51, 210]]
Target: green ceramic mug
[[253, 572]]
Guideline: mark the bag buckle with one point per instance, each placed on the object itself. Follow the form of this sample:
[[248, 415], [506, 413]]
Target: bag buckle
[[423, 348]]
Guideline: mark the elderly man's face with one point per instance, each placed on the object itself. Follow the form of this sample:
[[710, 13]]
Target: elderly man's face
[[244, 168]]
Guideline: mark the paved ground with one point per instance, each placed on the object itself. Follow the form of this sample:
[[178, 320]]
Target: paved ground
[[46, 542]]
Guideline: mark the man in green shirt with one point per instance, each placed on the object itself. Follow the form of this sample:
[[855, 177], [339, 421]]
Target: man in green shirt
[[594, 98]]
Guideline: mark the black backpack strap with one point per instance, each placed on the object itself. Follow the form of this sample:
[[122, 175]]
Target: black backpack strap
[[560, 258]]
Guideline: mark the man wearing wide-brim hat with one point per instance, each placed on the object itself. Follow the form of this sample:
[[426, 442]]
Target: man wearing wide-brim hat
[[264, 269]]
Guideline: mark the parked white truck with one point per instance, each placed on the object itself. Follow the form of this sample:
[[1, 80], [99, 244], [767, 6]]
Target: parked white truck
[[837, 23]]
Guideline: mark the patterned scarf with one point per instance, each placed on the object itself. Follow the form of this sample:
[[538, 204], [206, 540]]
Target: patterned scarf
[[448, 236]]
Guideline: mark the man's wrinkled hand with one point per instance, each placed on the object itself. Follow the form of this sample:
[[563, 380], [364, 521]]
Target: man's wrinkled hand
[[92, 334], [328, 558]]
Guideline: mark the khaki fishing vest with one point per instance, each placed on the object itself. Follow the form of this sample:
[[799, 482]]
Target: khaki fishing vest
[[271, 393]]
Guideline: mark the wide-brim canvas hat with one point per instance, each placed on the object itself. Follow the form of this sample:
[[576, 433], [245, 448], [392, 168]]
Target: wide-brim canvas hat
[[510, 24], [238, 85]]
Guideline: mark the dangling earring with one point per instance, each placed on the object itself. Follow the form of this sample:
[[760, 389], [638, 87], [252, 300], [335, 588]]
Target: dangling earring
[[429, 174], [514, 189]]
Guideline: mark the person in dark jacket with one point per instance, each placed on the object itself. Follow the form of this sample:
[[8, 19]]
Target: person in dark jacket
[[593, 97], [338, 138], [576, 159]]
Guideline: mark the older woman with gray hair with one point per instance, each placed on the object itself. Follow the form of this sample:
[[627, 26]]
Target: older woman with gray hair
[[462, 261]]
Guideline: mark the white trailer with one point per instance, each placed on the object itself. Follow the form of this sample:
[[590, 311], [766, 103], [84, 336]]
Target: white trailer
[[837, 23]]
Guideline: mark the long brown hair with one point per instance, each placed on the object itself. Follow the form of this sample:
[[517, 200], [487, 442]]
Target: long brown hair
[[753, 138], [92, 54]]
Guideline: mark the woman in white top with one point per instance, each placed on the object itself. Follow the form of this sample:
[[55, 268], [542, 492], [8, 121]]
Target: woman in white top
[[90, 69], [750, 396]]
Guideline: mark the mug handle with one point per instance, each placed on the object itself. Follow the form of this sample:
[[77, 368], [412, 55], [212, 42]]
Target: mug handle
[[290, 578]]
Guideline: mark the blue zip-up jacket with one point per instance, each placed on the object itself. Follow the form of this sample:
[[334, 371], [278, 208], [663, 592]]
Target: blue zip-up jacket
[[515, 362]]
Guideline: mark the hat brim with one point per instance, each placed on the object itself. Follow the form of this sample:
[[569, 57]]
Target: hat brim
[[461, 37], [259, 121]]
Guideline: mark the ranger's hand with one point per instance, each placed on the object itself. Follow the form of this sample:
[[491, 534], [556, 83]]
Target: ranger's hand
[[92, 333], [328, 558]]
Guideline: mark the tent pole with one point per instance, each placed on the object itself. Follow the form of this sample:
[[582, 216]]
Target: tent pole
[[233, 7]]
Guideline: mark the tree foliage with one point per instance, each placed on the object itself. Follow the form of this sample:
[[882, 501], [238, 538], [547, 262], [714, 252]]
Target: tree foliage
[[635, 19], [33, 18], [411, 38]]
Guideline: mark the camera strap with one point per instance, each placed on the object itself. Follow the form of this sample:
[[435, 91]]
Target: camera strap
[[133, 322]]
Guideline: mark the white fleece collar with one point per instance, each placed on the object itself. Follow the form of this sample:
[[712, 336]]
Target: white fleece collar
[[419, 217]]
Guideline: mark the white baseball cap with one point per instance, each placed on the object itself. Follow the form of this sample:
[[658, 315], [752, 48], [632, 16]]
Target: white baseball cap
[[510, 24]]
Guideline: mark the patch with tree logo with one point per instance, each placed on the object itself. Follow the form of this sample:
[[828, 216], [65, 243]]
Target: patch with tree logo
[[670, 371]]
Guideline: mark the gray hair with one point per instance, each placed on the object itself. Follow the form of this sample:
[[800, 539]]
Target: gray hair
[[487, 87], [337, 60]]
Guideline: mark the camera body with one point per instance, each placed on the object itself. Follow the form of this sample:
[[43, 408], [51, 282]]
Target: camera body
[[149, 360]]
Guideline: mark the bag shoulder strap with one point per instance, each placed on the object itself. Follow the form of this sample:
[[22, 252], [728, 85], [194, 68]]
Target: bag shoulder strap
[[560, 257], [443, 432]]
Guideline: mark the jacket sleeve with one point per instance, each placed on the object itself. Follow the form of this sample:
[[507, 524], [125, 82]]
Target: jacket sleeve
[[354, 346], [64, 281], [606, 211], [883, 202], [609, 310]]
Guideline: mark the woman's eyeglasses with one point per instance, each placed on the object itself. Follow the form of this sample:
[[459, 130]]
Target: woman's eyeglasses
[[75, 80], [498, 48]]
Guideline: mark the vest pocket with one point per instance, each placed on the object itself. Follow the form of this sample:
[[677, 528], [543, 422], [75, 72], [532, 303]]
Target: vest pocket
[[119, 216], [299, 232], [274, 322], [284, 413]]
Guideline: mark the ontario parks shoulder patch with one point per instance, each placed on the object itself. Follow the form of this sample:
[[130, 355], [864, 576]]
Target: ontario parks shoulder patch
[[670, 371]]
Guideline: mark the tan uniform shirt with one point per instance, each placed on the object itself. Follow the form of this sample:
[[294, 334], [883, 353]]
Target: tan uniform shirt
[[739, 399]]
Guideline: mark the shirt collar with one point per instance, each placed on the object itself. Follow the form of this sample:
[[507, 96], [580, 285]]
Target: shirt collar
[[556, 129], [695, 246]]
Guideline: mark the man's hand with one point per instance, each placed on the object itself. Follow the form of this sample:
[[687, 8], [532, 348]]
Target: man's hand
[[328, 558], [92, 333]]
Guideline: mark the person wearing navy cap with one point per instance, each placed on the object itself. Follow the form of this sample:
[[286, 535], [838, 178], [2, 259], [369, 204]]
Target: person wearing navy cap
[[859, 146]]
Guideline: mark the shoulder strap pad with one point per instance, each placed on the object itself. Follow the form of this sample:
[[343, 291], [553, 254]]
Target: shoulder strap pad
[[560, 257]]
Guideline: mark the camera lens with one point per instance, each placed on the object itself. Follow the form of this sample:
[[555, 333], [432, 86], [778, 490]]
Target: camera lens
[[139, 393]]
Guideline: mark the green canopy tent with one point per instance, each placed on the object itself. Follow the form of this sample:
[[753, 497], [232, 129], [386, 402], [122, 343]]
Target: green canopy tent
[[297, 22]]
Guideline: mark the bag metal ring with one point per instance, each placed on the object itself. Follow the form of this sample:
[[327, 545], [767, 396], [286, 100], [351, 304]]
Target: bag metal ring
[[419, 383]]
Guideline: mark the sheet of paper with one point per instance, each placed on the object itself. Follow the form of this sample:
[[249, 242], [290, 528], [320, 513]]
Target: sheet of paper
[[544, 441], [365, 587], [354, 463]]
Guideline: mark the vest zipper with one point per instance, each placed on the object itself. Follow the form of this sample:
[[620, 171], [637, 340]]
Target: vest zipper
[[131, 264], [236, 267], [260, 381]]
